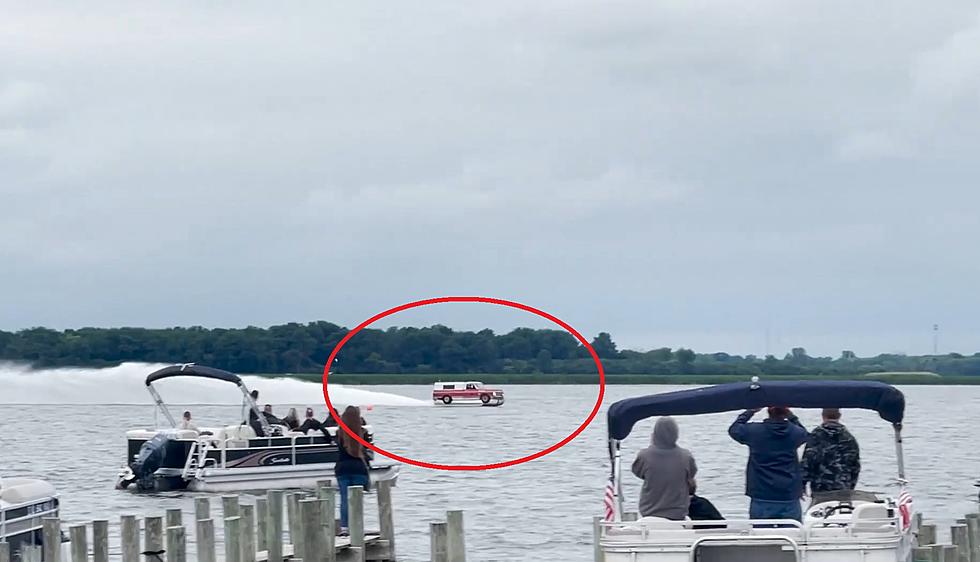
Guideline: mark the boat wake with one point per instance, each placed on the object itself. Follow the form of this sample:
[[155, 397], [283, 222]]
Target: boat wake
[[124, 384]]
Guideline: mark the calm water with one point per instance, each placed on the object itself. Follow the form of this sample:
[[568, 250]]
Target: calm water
[[540, 510]]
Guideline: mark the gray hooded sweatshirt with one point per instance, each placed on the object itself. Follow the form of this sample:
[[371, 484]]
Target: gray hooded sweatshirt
[[667, 472]]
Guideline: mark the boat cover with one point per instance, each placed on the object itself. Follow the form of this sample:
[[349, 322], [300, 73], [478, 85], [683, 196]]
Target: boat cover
[[885, 399], [192, 371]]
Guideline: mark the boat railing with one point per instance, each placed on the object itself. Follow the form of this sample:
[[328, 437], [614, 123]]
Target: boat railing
[[197, 458]]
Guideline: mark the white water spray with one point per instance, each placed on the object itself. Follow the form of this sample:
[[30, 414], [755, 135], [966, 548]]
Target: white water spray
[[125, 385]]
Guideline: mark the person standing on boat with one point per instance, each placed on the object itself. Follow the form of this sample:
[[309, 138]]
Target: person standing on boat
[[831, 460], [186, 422], [773, 478], [667, 472], [351, 468]]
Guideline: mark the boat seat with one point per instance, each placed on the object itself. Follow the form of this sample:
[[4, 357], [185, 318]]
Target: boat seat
[[872, 517], [186, 434]]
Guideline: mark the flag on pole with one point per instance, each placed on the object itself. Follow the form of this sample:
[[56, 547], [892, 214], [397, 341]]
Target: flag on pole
[[610, 499], [905, 508]]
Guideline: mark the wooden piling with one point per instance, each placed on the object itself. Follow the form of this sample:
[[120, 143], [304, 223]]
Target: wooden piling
[[261, 522], [922, 554], [153, 534], [630, 516], [355, 520], [202, 508], [248, 533], [4, 552], [174, 518], [386, 517], [205, 540], [274, 526], [927, 534], [229, 506], [79, 544], [437, 543], [31, 553], [950, 553], [328, 524], [51, 533], [961, 540], [292, 519], [130, 537], [100, 540], [597, 555], [176, 544], [233, 544], [973, 533], [454, 536], [309, 529]]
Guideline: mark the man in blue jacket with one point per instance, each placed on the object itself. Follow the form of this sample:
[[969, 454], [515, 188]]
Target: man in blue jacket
[[773, 479]]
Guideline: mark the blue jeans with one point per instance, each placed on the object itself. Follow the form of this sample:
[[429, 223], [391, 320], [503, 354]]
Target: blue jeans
[[764, 509], [344, 482]]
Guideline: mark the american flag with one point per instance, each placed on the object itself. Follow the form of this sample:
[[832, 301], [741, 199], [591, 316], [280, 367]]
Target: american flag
[[905, 508], [610, 500]]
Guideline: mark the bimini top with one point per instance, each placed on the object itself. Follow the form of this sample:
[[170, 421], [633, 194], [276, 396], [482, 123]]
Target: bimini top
[[885, 399], [191, 370]]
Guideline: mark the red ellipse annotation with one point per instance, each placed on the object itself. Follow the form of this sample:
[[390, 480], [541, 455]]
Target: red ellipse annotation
[[485, 300]]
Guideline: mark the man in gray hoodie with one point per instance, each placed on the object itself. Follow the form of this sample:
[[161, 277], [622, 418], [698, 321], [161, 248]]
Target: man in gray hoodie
[[668, 473]]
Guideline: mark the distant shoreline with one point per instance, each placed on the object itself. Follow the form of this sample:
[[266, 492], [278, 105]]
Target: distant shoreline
[[611, 379]]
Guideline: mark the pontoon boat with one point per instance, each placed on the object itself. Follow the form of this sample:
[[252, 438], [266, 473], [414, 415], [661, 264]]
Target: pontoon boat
[[24, 503], [233, 457], [861, 529]]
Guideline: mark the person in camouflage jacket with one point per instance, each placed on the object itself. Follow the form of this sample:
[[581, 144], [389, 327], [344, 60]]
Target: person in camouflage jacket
[[831, 459]]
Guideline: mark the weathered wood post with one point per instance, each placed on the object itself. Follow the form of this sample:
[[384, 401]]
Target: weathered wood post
[[79, 544], [973, 531], [437, 543], [355, 520], [292, 520], [174, 518], [31, 553], [202, 508], [961, 540], [129, 531], [386, 517], [176, 544], [630, 516], [233, 543], [454, 536], [51, 535], [927, 534], [261, 522], [205, 540], [309, 529], [100, 540], [950, 553], [4, 552], [229, 506], [248, 533], [328, 524], [273, 537], [922, 554], [153, 534], [596, 536]]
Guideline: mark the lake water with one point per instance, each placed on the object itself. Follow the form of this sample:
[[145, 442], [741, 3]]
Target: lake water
[[68, 427]]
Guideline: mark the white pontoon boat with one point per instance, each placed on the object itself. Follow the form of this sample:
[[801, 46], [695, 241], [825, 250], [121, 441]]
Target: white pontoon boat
[[860, 529], [24, 503], [249, 455]]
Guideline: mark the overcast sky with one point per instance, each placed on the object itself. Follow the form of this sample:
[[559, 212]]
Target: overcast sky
[[680, 173]]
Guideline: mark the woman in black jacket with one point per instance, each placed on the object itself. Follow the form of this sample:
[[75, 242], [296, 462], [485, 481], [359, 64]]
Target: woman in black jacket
[[352, 466]]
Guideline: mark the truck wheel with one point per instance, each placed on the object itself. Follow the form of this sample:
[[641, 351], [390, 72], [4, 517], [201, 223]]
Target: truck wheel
[[447, 399], [485, 398]]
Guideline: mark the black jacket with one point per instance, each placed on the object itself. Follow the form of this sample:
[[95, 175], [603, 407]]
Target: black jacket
[[773, 471]]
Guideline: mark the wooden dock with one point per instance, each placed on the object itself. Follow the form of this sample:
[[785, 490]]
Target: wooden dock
[[252, 533], [964, 536]]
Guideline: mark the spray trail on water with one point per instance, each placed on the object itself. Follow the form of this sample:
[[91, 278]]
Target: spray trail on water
[[124, 384]]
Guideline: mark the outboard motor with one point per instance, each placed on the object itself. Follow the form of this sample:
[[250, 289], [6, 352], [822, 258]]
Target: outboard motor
[[151, 457]]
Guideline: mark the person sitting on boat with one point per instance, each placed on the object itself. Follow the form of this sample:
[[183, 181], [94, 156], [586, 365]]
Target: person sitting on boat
[[310, 423], [667, 472], [831, 460], [352, 466], [773, 479], [291, 420], [701, 509], [186, 422]]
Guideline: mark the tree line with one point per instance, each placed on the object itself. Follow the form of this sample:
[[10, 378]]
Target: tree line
[[305, 348]]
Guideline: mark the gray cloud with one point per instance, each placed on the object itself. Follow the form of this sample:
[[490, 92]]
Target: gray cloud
[[674, 173]]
